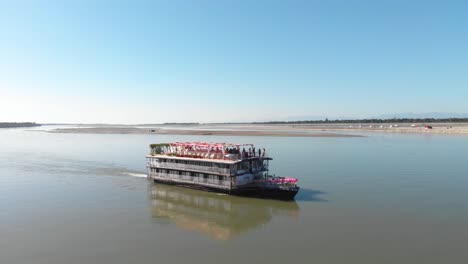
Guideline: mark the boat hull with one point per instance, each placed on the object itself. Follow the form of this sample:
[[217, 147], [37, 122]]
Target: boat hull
[[268, 193], [251, 191]]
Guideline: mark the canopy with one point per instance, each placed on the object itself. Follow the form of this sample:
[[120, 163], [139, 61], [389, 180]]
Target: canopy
[[208, 145]]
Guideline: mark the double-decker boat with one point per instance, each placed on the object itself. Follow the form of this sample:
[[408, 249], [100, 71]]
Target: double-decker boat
[[237, 169]]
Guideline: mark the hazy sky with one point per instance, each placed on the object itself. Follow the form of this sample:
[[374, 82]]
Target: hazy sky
[[175, 61]]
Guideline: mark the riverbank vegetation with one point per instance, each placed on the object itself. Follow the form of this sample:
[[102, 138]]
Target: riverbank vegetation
[[16, 124]]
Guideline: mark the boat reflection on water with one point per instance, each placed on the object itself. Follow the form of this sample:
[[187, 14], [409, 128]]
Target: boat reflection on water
[[216, 215]]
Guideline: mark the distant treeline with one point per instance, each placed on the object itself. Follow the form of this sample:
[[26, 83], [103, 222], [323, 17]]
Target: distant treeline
[[181, 124], [14, 124], [372, 121]]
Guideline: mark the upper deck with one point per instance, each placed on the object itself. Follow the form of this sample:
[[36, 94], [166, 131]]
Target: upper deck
[[203, 151]]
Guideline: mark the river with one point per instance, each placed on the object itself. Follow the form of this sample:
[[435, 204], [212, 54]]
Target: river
[[84, 198]]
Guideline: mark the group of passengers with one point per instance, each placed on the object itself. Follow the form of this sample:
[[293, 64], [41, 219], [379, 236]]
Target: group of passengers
[[251, 152], [232, 150], [247, 154]]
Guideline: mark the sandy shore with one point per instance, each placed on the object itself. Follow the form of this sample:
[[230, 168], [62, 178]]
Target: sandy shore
[[437, 128], [282, 130], [204, 132]]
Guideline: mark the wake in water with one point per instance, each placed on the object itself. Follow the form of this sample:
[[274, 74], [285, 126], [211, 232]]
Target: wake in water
[[52, 164], [138, 175]]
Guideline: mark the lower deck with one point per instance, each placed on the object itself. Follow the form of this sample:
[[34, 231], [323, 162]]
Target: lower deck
[[201, 179]]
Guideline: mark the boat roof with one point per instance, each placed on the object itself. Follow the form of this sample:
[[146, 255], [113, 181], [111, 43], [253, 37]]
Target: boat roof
[[208, 144], [231, 152]]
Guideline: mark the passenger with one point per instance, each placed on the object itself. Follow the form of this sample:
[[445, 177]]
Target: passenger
[[259, 152], [264, 152], [253, 152]]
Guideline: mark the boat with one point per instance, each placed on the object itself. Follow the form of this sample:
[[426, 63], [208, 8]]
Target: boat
[[236, 169]]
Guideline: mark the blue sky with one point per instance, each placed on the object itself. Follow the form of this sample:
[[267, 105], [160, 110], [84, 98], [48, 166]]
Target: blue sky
[[214, 61]]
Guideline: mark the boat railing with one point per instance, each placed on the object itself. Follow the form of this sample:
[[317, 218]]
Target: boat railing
[[281, 181], [212, 155]]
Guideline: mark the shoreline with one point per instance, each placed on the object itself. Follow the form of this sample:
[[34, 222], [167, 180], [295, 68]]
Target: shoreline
[[405, 128], [197, 132], [283, 130]]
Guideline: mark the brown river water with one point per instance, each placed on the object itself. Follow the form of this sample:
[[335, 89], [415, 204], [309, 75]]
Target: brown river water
[[83, 198]]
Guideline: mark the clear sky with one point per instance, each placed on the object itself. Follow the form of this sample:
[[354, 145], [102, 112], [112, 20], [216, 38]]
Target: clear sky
[[210, 61]]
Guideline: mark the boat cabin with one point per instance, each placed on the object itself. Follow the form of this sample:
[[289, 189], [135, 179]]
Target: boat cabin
[[210, 165]]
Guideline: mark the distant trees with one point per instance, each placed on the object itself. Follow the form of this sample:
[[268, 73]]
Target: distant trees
[[180, 124], [372, 121], [15, 124]]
